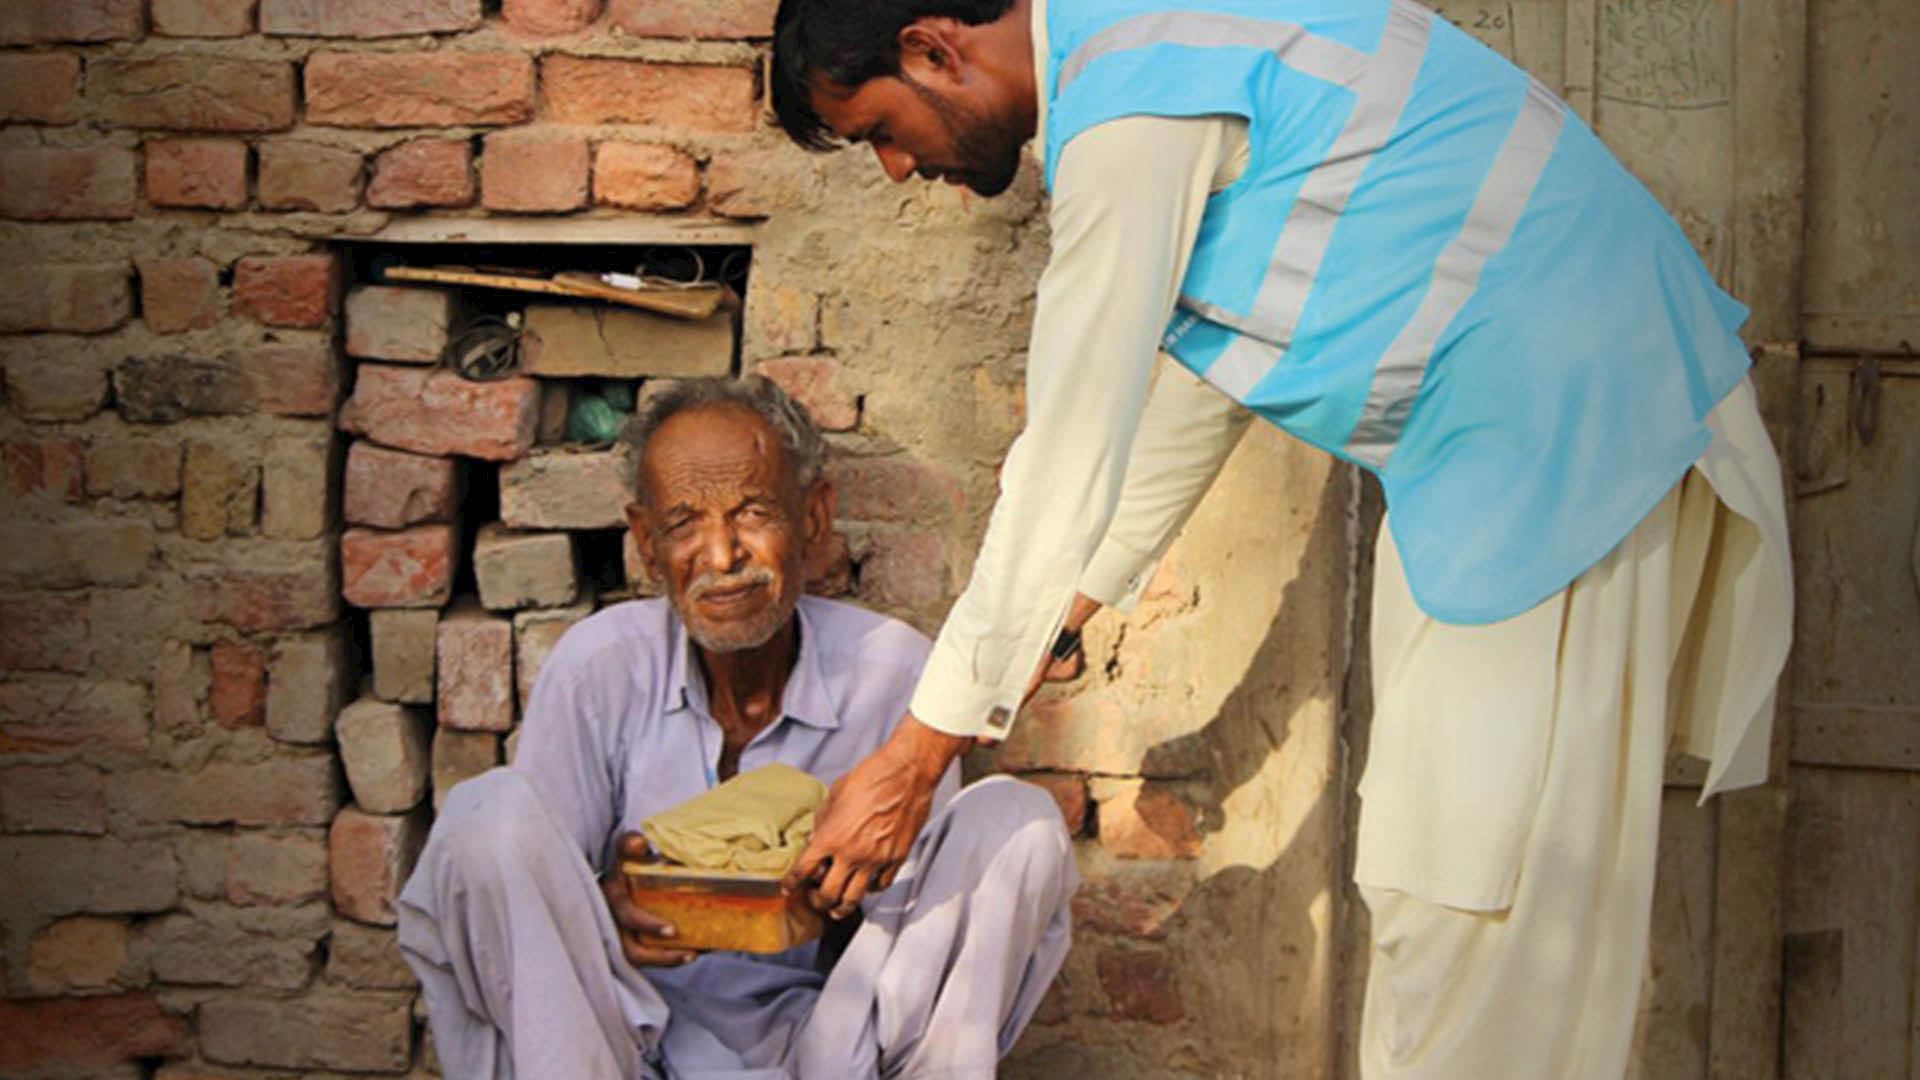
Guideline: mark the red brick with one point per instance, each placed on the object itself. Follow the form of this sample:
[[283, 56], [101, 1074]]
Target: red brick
[[306, 684], [535, 633], [644, 176], [474, 653], [403, 323], [814, 381], [52, 469], [177, 295], [297, 485], [77, 954], [308, 176], [514, 570], [1135, 899], [546, 18], [568, 489], [1140, 983], [747, 185], [904, 569], [268, 869], [685, 97], [533, 171], [208, 173], [38, 87], [287, 291], [409, 568], [294, 380], [282, 790], [34, 22], [52, 798], [162, 389], [367, 18], [97, 551], [265, 600], [134, 468], [44, 632], [419, 89], [385, 750], [423, 172], [220, 492], [184, 92], [459, 756], [1145, 820], [336, 1031], [98, 1033], [368, 860], [438, 412], [1069, 793], [239, 694], [68, 299], [894, 489], [203, 18], [44, 183], [693, 18], [391, 489]]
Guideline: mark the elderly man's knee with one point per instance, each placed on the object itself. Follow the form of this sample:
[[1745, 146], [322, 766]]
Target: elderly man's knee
[[1022, 815], [492, 820]]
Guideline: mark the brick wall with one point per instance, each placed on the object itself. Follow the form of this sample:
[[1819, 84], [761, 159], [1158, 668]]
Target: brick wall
[[194, 889]]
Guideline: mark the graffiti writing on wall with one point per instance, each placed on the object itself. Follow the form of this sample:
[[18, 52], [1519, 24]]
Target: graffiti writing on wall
[[1493, 24], [1667, 53]]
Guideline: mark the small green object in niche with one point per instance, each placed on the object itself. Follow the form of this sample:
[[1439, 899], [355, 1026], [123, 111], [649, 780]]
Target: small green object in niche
[[593, 420], [621, 394]]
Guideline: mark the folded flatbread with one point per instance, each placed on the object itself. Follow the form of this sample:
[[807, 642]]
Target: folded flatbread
[[758, 822]]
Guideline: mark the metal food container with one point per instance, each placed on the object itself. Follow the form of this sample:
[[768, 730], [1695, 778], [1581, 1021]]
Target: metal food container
[[734, 911]]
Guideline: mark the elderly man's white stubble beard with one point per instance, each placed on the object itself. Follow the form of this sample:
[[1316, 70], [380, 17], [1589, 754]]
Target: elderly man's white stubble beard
[[735, 635]]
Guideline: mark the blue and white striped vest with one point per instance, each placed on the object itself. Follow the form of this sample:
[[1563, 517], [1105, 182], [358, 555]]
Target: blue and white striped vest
[[1430, 267]]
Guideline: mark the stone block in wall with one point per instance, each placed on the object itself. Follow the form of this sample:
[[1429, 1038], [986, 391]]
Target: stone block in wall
[[45, 632], [237, 697], [556, 402], [1140, 984], [897, 489], [40, 22], [1132, 897], [386, 753], [368, 859], [43, 469], [72, 875], [38, 88], [422, 173], [53, 799], [458, 756], [1144, 819], [474, 655], [571, 341], [219, 492], [385, 90], [535, 633], [438, 412], [367, 18], [54, 183], [177, 295], [134, 468], [814, 381], [182, 677], [755, 183], [405, 568], [352, 1031], [192, 92], [282, 790], [297, 478], [306, 686], [546, 18], [534, 171], [403, 650], [904, 569], [163, 389], [203, 18], [401, 323], [64, 299], [568, 489], [288, 291], [683, 97], [521, 570], [367, 957], [275, 869], [693, 18], [299, 592], [309, 176], [198, 173], [77, 954], [104, 551], [644, 176], [293, 379], [193, 949]]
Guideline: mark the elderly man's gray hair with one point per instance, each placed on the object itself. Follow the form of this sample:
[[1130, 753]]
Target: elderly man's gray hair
[[806, 450]]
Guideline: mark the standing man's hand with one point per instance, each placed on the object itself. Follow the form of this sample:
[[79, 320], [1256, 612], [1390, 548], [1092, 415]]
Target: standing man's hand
[[1058, 666], [645, 939], [871, 818]]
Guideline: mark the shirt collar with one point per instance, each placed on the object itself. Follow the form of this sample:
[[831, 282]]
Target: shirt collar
[[808, 698]]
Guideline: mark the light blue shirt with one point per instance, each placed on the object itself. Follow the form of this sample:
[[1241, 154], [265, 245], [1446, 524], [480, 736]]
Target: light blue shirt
[[618, 729]]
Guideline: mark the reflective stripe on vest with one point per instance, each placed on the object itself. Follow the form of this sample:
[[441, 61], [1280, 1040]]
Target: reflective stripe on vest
[[1381, 84]]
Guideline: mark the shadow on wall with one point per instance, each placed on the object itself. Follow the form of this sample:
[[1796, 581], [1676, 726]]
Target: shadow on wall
[[1221, 964]]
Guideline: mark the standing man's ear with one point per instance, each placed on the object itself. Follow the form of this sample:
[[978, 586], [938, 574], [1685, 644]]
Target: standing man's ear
[[928, 51]]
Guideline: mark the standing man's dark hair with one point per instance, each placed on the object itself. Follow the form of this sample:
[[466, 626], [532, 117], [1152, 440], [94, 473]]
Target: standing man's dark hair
[[847, 42]]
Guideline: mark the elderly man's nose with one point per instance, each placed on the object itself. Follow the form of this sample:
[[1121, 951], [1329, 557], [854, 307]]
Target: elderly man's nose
[[897, 163], [720, 546]]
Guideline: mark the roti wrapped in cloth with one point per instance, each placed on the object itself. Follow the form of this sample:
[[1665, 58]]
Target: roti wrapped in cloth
[[757, 822]]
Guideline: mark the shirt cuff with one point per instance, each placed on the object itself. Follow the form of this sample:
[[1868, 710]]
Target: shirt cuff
[[1118, 575], [949, 700]]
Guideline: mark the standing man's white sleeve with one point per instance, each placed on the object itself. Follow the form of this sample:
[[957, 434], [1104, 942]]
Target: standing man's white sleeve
[[1123, 225]]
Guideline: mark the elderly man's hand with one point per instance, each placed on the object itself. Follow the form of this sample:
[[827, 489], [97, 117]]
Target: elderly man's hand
[[645, 939], [871, 817]]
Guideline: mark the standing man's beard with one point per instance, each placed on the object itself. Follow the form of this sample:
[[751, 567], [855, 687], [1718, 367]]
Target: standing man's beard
[[988, 150]]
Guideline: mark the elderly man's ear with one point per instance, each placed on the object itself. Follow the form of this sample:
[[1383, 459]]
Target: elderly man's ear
[[642, 538], [818, 509]]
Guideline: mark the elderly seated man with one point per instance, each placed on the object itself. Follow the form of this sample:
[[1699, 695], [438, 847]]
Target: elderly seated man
[[534, 964]]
